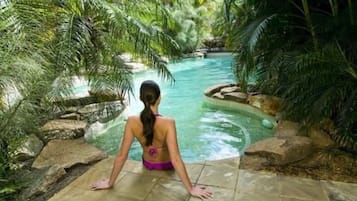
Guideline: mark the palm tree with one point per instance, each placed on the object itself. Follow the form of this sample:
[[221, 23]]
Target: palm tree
[[45, 43], [303, 51]]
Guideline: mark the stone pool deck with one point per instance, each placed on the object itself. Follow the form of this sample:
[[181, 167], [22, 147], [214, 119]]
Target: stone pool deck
[[223, 178]]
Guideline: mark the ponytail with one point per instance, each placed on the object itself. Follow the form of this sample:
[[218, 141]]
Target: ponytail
[[148, 118], [149, 93]]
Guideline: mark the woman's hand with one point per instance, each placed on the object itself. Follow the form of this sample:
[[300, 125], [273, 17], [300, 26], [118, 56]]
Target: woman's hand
[[101, 185], [201, 192]]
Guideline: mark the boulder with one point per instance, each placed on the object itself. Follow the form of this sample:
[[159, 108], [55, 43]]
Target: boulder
[[67, 153], [101, 112], [43, 180], [268, 104], [72, 109], [253, 162], [216, 88], [63, 129], [236, 96], [218, 95], [30, 148], [72, 116], [321, 139], [230, 89], [76, 101], [105, 95], [287, 128], [282, 151], [199, 54]]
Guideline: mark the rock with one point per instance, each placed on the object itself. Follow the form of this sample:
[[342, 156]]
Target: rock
[[287, 128], [72, 116], [76, 101], [67, 153], [236, 96], [333, 159], [252, 89], [282, 151], [71, 109], [63, 129], [44, 181], [216, 88], [199, 54], [137, 67], [218, 95], [126, 57], [320, 139], [30, 148], [253, 162], [101, 112], [230, 89], [268, 104], [105, 95]]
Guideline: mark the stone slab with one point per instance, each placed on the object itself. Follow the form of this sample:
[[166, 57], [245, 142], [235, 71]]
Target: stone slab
[[137, 184], [67, 153]]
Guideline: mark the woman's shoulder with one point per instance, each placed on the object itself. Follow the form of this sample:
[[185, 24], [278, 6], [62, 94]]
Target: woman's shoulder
[[165, 118], [133, 119], [162, 119], [165, 122]]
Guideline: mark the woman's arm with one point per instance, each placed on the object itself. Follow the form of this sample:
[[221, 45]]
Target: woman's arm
[[171, 140], [119, 160]]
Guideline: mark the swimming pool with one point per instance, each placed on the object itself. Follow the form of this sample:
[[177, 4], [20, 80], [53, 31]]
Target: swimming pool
[[204, 132]]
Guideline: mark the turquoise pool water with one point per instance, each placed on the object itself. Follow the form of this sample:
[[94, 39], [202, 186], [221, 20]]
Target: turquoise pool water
[[205, 132]]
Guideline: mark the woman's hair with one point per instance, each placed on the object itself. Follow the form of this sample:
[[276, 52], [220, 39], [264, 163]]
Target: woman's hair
[[149, 93]]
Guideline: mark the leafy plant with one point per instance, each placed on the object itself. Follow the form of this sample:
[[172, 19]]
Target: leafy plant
[[304, 52], [44, 44]]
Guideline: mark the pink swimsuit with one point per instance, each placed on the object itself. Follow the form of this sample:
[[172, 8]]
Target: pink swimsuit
[[156, 166]]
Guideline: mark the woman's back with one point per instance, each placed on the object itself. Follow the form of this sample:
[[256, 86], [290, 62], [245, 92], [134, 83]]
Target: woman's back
[[158, 151]]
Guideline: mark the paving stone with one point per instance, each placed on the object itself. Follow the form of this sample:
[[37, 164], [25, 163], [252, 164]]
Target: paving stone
[[136, 186], [135, 183], [79, 189], [292, 199], [338, 191], [168, 190], [258, 182], [193, 170], [301, 188], [250, 196], [230, 162], [219, 194], [219, 176]]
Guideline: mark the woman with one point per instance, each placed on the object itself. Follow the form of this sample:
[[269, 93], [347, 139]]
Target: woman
[[157, 136]]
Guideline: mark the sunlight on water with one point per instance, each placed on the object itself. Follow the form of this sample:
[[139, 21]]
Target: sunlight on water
[[204, 132]]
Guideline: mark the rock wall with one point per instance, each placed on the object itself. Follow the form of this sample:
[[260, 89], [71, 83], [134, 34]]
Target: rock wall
[[295, 148], [61, 146]]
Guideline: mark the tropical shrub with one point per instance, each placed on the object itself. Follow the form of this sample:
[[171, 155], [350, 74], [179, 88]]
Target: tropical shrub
[[303, 51], [44, 43]]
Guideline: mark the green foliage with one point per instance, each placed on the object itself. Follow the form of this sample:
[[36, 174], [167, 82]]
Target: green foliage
[[44, 44], [190, 22], [303, 51]]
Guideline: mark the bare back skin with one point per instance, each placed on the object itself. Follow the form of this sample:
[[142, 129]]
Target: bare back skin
[[165, 148], [159, 140]]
